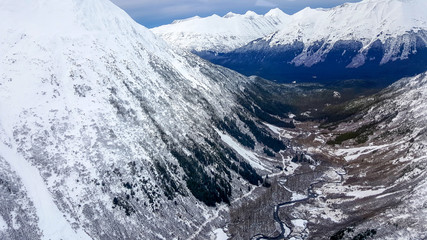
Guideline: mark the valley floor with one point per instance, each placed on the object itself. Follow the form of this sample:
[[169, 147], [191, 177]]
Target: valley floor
[[319, 189]]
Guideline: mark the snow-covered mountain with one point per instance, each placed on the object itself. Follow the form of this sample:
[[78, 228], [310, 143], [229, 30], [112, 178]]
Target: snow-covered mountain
[[366, 22], [106, 132], [221, 34], [384, 147], [369, 39], [359, 175]]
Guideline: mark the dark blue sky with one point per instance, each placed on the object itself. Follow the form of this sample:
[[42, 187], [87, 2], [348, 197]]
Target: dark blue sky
[[152, 13]]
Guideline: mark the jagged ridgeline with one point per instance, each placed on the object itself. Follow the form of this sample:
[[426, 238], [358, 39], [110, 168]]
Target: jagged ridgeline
[[379, 41]]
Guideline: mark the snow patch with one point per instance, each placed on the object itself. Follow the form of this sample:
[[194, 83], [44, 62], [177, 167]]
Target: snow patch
[[51, 221], [273, 128], [387, 194], [289, 167], [3, 224], [297, 196], [299, 223], [337, 94], [365, 193], [220, 234], [354, 153], [251, 157]]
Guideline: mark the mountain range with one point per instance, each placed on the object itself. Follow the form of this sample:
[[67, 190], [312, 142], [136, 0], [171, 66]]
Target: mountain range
[[109, 132], [380, 41], [221, 34]]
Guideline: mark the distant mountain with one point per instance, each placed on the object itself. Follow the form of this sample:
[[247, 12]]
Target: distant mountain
[[221, 34], [375, 40]]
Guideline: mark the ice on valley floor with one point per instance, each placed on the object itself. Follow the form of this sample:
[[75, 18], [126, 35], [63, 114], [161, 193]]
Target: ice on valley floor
[[324, 211], [220, 234], [299, 224], [297, 196]]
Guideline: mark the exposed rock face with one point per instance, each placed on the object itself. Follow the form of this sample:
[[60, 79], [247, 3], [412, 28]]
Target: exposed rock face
[[380, 41], [324, 61]]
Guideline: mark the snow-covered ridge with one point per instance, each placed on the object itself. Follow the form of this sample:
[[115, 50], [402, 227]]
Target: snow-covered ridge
[[365, 21], [73, 18], [225, 33]]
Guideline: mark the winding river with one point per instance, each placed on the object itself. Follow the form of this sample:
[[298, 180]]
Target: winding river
[[284, 228]]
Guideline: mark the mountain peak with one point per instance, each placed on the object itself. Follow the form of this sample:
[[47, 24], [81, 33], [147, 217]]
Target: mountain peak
[[66, 17], [368, 20], [231, 14], [221, 33], [251, 14], [275, 12]]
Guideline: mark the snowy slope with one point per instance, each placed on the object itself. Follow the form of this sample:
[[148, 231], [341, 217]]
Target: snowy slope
[[366, 21], [101, 124], [396, 167], [47, 211], [363, 176], [221, 34]]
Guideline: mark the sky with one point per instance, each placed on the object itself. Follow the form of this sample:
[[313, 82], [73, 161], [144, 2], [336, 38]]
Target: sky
[[153, 13]]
